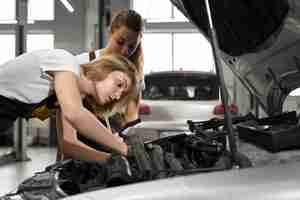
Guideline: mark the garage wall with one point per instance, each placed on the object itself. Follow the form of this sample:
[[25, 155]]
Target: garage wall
[[77, 32], [91, 21], [69, 27]]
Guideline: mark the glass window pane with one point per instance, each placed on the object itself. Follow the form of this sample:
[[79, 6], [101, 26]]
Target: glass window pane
[[192, 52], [158, 52], [178, 16], [153, 9], [7, 47], [39, 41], [7, 10], [37, 11]]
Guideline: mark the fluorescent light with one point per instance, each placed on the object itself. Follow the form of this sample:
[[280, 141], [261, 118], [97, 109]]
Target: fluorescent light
[[67, 5]]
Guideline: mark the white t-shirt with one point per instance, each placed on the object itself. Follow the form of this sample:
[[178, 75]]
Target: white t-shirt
[[25, 78], [84, 57]]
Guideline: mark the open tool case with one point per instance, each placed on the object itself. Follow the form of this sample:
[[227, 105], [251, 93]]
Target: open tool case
[[272, 133]]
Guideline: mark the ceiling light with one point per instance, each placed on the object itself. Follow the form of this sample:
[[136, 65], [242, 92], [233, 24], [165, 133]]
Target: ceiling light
[[67, 5]]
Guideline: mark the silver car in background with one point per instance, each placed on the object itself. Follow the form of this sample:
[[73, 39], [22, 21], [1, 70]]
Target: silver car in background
[[173, 97]]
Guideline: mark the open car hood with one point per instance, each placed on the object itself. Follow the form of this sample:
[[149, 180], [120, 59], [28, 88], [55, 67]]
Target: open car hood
[[258, 40]]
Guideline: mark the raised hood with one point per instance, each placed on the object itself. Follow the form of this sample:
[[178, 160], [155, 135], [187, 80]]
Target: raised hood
[[259, 41]]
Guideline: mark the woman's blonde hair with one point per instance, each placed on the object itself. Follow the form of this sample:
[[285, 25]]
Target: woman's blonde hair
[[98, 70]]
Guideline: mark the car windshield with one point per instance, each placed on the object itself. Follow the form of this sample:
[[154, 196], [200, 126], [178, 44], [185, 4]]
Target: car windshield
[[181, 87]]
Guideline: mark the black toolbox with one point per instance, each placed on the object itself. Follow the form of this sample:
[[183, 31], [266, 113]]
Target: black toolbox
[[272, 133]]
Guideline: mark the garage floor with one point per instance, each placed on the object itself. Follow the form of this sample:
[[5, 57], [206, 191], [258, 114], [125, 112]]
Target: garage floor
[[12, 174]]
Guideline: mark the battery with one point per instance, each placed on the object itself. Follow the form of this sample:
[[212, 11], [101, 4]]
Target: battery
[[273, 138]]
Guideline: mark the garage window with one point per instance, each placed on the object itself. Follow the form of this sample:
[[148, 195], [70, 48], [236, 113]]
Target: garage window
[[170, 41], [178, 16], [40, 41], [192, 52], [40, 10], [158, 11], [158, 52], [34, 42], [36, 10], [177, 51], [7, 47], [8, 11]]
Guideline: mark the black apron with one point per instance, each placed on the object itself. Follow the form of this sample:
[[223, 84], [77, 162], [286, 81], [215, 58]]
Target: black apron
[[10, 110]]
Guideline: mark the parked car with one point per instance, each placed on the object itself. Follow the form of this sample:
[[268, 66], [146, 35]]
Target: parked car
[[173, 97]]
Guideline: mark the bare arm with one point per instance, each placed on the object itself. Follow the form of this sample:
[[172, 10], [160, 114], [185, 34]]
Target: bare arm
[[79, 118], [72, 147], [132, 110]]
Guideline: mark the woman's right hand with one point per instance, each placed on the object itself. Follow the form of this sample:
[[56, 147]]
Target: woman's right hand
[[124, 149], [123, 146], [120, 139]]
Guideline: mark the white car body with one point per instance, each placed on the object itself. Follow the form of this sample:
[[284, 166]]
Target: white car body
[[279, 182]]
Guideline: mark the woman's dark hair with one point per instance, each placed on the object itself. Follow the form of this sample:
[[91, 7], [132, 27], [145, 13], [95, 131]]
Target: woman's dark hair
[[133, 21]]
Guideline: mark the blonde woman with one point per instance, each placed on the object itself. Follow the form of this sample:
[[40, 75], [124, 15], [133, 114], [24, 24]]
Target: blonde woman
[[30, 78]]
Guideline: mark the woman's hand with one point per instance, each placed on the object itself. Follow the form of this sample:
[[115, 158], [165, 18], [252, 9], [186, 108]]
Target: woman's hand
[[120, 139], [123, 146], [124, 149]]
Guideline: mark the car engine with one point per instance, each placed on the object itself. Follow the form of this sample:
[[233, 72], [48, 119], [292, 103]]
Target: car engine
[[171, 156]]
